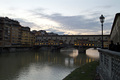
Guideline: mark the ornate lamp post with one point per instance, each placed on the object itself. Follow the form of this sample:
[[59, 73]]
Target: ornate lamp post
[[102, 21]]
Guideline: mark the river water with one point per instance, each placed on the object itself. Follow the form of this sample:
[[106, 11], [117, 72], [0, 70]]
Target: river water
[[43, 64]]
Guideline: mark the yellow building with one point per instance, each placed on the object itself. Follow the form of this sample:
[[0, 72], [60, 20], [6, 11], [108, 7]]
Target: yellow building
[[15, 34], [32, 39], [12, 34], [25, 36], [10, 31]]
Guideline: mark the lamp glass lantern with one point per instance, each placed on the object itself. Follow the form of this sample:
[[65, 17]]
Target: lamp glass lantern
[[102, 18]]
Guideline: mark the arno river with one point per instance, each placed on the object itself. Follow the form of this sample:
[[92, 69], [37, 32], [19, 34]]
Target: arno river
[[43, 64]]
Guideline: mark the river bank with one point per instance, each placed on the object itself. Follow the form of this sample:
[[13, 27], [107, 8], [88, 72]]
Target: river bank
[[85, 72]]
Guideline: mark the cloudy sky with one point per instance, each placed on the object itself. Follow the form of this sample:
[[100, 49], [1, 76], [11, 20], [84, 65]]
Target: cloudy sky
[[72, 17]]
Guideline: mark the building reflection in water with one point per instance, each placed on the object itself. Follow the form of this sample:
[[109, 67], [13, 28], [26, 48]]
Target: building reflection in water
[[13, 65], [67, 57]]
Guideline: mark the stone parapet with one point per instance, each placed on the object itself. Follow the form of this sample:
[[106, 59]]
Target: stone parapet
[[109, 67]]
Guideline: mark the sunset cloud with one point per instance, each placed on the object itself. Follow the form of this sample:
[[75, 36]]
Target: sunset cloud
[[59, 17]]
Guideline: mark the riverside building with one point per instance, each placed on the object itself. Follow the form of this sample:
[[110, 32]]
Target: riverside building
[[9, 32], [115, 31], [12, 34]]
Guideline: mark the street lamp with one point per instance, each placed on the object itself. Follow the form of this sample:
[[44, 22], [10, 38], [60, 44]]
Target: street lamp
[[102, 20]]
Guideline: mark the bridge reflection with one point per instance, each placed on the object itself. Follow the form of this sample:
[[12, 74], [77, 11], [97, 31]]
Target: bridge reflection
[[67, 60], [92, 53], [12, 64]]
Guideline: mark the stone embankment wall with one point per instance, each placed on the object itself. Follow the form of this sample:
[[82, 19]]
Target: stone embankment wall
[[4, 50]]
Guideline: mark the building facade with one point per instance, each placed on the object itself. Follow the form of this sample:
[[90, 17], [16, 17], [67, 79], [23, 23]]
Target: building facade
[[32, 39], [115, 31], [15, 34], [5, 26], [86, 40], [12, 34], [25, 36]]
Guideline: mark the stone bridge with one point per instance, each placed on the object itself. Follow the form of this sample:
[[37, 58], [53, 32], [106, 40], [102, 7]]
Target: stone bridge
[[81, 49]]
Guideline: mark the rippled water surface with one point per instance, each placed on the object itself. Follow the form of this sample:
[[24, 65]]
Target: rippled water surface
[[43, 64]]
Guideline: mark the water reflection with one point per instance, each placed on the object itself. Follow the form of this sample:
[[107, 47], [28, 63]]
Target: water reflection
[[69, 62], [92, 53], [70, 51], [41, 65]]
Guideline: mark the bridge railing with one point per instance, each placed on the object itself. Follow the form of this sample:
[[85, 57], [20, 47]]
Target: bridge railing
[[109, 67]]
